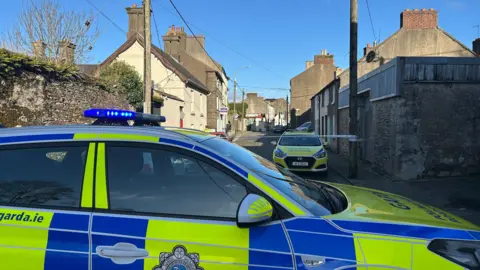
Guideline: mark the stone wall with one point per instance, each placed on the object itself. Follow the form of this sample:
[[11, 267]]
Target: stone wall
[[30, 99], [343, 122], [438, 131]]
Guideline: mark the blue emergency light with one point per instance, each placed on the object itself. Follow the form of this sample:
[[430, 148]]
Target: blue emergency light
[[113, 114]]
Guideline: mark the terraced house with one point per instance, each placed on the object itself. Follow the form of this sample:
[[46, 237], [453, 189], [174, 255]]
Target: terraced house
[[192, 86]]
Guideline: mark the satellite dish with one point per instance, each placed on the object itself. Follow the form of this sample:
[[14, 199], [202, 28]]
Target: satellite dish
[[371, 56]]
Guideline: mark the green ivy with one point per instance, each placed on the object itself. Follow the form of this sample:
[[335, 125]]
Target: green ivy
[[11, 62]]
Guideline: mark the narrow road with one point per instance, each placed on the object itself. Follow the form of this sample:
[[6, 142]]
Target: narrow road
[[260, 144]]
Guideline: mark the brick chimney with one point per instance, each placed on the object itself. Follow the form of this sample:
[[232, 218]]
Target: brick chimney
[[136, 22], [476, 46], [39, 49], [175, 41], [323, 58], [66, 51], [419, 19]]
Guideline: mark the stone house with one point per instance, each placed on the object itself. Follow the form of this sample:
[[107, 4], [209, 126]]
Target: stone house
[[418, 35], [316, 75], [403, 133], [191, 54], [185, 96]]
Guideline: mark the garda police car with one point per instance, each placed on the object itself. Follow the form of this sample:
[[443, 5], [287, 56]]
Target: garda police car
[[301, 151], [78, 197]]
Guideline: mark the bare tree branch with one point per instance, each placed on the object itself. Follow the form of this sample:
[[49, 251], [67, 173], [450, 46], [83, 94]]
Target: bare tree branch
[[49, 22]]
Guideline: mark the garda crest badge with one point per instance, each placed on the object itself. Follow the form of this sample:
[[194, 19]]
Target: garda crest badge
[[178, 259]]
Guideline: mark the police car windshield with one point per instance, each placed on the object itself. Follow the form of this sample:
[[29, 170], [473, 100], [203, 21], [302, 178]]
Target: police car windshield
[[303, 192], [290, 140]]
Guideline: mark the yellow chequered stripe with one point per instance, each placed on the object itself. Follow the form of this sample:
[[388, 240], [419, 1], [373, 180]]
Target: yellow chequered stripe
[[101, 195], [32, 236], [223, 244], [108, 136], [277, 196], [406, 253], [87, 190]]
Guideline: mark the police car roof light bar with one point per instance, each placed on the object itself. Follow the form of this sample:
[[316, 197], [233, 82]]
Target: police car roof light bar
[[115, 114]]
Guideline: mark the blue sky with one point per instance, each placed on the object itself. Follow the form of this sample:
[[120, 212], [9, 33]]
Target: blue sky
[[278, 35]]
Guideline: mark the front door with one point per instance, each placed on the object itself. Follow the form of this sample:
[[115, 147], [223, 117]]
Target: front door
[[178, 215]]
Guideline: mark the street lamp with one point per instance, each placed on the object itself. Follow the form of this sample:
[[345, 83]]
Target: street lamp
[[235, 94]]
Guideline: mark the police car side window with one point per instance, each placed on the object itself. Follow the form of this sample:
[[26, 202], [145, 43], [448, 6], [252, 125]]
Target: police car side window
[[174, 184], [42, 175]]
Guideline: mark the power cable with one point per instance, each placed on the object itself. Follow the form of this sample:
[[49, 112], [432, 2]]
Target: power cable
[[160, 44], [193, 34], [371, 21], [230, 48], [106, 17]]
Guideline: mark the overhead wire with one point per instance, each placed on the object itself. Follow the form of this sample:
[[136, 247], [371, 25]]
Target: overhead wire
[[193, 34], [371, 21], [106, 17], [228, 47]]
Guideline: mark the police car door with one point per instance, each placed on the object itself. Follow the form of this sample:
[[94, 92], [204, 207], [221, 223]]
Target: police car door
[[168, 208], [44, 214]]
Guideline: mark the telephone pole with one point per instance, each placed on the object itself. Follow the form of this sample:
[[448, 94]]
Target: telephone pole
[[352, 144], [287, 111], [147, 60], [243, 109], [234, 103]]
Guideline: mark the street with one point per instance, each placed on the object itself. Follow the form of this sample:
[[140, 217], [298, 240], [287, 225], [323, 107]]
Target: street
[[260, 144]]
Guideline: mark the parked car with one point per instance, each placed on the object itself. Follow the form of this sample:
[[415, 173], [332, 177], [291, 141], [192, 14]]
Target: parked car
[[222, 135], [279, 129], [307, 127]]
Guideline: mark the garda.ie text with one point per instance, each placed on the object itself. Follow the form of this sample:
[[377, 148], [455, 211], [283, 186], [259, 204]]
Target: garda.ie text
[[21, 217]]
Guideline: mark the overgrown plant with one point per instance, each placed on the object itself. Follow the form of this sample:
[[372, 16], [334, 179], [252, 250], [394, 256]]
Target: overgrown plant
[[122, 78]]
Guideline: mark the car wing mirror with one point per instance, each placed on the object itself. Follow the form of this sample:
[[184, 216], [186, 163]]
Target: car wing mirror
[[253, 210], [273, 142]]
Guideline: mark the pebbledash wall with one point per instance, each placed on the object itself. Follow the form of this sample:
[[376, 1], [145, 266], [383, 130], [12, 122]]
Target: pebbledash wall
[[31, 99], [418, 117]]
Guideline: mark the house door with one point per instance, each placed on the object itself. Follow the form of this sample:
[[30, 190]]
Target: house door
[[182, 115]]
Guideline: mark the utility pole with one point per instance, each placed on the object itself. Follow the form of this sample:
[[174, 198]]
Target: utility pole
[[243, 109], [352, 144], [234, 103], [147, 60], [287, 112]]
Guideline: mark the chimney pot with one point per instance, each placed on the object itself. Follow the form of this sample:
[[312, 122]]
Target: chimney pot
[[416, 9], [134, 5], [424, 9], [368, 45]]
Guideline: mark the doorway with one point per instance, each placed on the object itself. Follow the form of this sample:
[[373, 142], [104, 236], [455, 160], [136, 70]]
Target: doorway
[[182, 115]]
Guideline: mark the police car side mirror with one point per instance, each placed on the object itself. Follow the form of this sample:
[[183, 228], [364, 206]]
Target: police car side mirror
[[273, 142], [253, 210]]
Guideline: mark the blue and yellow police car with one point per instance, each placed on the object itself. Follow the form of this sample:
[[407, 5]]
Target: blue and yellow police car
[[301, 151], [82, 197]]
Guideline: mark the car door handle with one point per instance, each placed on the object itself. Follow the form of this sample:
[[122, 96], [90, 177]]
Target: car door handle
[[122, 253]]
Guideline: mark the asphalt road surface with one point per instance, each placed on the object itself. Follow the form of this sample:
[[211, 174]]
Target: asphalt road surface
[[260, 144]]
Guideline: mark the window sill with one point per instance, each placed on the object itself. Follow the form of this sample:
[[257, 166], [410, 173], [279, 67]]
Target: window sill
[[192, 113]]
